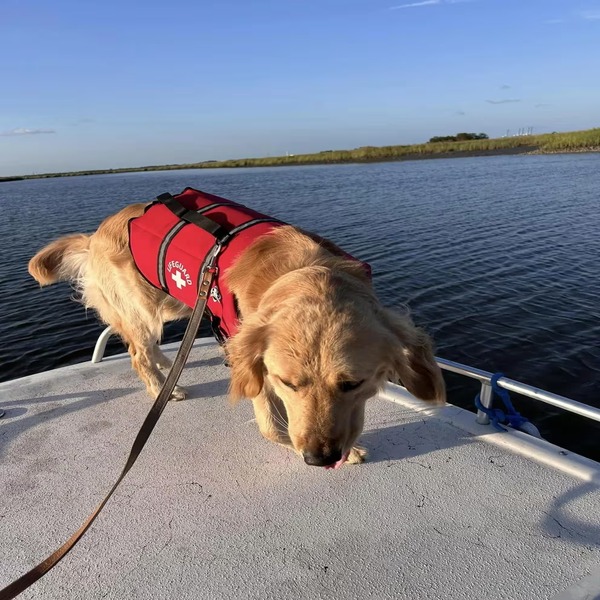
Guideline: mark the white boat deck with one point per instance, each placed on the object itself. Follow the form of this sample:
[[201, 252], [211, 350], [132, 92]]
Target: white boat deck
[[443, 509]]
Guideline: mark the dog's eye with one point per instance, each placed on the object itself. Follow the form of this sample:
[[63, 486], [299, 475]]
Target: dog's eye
[[290, 385], [348, 386]]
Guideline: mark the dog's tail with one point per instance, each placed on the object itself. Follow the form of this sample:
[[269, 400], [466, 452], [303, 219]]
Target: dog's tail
[[62, 260]]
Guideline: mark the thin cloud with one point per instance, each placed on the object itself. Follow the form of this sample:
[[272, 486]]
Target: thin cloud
[[541, 105], [25, 131], [414, 4], [460, 113], [588, 15], [505, 87], [591, 15], [507, 101], [83, 121], [429, 3]]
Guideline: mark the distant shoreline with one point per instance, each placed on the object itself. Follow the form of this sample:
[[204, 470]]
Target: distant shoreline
[[553, 143]]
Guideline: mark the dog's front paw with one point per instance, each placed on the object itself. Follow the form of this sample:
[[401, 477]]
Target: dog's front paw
[[357, 455], [179, 393], [164, 363]]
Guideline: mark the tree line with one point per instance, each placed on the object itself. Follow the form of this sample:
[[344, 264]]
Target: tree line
[[459, 137]]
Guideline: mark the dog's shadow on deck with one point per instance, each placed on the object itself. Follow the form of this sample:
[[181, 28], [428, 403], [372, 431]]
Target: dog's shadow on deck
[[24, 415], [54, 406], [215, 361], [406, 441]]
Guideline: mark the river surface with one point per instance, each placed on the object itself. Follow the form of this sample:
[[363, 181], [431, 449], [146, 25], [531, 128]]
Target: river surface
[[497, 257]]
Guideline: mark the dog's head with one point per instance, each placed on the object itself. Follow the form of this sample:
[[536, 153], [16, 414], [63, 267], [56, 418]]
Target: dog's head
[[321, 343]]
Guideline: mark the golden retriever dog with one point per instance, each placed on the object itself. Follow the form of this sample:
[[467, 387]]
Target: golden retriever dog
[[313, 345]]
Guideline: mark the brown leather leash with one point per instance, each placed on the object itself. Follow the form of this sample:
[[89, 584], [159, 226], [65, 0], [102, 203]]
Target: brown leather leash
[[208, 273]]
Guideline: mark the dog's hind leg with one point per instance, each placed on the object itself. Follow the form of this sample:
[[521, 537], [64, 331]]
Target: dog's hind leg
[[144, 354], [140, 331], [161, 361]]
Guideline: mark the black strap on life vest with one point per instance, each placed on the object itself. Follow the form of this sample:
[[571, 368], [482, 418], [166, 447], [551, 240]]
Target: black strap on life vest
[[218, 231]]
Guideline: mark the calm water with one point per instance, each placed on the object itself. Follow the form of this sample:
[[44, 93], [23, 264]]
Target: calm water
[[498, 258]]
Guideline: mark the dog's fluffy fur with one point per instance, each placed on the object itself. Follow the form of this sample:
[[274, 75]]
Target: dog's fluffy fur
[[313, 345]]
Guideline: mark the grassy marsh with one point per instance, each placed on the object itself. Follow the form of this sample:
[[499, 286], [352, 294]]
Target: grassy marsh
[[573, 141]]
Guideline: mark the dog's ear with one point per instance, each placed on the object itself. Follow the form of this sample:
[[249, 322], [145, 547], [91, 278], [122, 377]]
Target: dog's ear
[[245, 355], [411, 359]]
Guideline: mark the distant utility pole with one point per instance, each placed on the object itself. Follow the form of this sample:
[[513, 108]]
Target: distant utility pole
[[522, 131]]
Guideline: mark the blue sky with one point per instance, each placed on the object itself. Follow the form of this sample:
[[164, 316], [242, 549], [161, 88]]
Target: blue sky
[[113, 84]]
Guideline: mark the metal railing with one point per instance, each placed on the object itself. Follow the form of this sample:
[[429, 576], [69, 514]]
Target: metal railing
[[101, 342], [484, 377], [486, 394]]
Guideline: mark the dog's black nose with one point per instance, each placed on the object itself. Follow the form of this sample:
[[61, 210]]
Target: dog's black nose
[[319, 459]]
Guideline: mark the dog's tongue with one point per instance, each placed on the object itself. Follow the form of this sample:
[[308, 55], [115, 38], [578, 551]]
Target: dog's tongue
[[339, 463]]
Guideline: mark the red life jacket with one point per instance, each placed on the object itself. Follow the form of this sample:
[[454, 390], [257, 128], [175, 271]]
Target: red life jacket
[[171, 240]]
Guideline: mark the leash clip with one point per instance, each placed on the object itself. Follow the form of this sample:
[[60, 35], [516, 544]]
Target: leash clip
[[209, 272]]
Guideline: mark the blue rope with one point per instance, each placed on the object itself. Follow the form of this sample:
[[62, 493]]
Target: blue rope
[[496, 415]]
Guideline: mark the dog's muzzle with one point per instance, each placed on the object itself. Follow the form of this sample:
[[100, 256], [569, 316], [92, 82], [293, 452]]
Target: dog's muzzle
[[322, 460]]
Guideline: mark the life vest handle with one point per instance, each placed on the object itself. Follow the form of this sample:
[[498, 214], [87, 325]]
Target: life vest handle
[[219, 232]]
